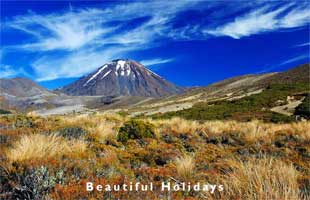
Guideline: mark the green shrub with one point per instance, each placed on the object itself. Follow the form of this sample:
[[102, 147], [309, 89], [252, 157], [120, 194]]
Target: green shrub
[[72, 132], [278, 118], [135, 129], [4, 139], [34, 183], [2, 112], [303, 109], [24, 122]]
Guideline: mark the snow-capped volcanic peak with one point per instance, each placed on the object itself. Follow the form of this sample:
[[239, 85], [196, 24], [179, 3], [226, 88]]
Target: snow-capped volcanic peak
[[122, 77], [122, 68], [120, 64]]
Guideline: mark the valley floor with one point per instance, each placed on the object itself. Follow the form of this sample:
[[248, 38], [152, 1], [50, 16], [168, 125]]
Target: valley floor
[[54, 157]]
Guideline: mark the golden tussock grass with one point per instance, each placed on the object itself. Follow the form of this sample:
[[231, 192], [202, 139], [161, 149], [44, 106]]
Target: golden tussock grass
[[104, 131], [178, 125], [255, 130], [248, 131], [185, 166], [88, 120], [264, 178], [39, 146]]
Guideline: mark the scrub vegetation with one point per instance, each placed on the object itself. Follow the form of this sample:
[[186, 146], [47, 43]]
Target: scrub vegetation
[[54, 157], [256, 106]]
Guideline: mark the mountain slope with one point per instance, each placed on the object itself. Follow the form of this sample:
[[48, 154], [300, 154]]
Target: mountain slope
[[122, 78], [254, 82], [235, 99], [23, 94], [21, 87], [299, 74], [233, 89]]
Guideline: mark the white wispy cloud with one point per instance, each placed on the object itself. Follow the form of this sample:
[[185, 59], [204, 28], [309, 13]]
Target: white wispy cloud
[[263, 20], [7, 71], [287, 61], [87, 37], [74, 42], [75, 64], [55, 32], [156, 61], [302, 44], [78, 28], [295, 59]]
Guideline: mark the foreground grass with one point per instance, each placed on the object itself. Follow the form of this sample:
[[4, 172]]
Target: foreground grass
[[37, 146], [265, 178], [53, 158]]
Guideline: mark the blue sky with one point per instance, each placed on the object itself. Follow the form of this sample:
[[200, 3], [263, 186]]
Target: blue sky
[[190, 43]]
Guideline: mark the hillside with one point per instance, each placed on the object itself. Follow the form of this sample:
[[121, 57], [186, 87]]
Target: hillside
[[229, 91], [256, 106], [21, 87]]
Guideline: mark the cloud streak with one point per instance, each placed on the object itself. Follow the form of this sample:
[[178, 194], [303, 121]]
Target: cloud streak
[[303, 44], [156, 61], [295, 59], [75, 42], [8, 71], [263, 20], [78, 41]]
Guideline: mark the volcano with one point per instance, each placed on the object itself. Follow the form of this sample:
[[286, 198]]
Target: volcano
[[122, 77]]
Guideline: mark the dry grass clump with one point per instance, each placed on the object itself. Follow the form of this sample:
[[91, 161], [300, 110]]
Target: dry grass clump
[[251, 130], [265, 178], [303, 129], [185, 166], [178, 125], [218, 127], [256, 130], [267, 131], [83, 119], [88, 120], [39, 146], [104, 131], [113, 117]]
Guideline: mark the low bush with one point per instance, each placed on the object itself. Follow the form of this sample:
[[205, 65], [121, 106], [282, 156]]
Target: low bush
[[24, 122], [72, 132], [135, 129], [304, 108], [3, 112], [34, 183], [278, 118]]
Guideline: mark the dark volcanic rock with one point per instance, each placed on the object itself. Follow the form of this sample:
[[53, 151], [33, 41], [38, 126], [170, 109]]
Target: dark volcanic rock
[[122, 78]]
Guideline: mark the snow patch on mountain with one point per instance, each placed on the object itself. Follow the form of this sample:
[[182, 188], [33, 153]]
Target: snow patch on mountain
[[120, 64], [106, 74], [95, 75]]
